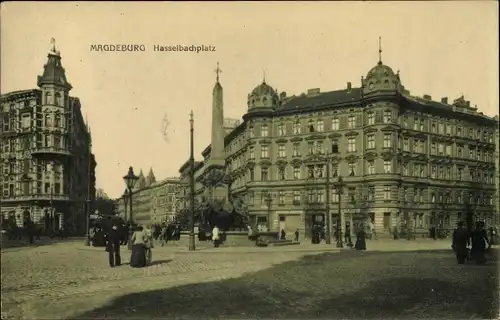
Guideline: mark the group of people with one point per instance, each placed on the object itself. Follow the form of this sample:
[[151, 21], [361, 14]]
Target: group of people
[[472, 245], [142, 243]]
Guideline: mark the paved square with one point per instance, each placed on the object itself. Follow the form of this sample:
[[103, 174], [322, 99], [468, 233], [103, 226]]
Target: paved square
[[393, 280]]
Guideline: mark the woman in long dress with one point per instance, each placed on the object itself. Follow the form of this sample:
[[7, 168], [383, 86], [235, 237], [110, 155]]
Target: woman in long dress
[[138, 255], [361, 239]]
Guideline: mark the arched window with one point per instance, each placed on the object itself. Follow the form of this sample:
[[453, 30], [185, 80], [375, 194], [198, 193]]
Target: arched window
[[48, 122], [59, 99], [48, 98]]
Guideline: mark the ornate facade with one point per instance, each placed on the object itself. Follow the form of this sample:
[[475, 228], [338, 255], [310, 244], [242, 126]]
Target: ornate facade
[[404, 159], [47, 167], [152, 202]]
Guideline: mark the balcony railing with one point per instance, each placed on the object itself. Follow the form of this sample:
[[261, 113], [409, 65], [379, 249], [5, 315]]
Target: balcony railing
[[61, 151], [54, 197]]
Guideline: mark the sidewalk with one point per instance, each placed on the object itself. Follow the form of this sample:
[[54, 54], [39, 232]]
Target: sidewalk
[[6, 243]]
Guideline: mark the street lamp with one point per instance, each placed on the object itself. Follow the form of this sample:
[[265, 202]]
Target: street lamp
[[339, 186], [130, 180], [192, 246]]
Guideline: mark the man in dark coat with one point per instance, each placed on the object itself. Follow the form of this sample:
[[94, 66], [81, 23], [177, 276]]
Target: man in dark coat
[[113, 247], [460, 242]]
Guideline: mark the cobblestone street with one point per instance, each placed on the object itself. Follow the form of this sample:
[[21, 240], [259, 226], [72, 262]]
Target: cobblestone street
[[68, 280]]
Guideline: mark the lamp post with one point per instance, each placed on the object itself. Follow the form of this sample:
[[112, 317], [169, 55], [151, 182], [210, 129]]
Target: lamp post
[[125, 203], [130, 180], [269, 200], [192, 245], [339, 185], [328, 216]]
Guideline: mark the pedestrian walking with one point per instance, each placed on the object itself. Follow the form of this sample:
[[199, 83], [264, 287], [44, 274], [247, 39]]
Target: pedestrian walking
[[296, 235], [479, 241], [138, 254], [360, 239], [460, 243], [347, 236], [216, 236], [113, 247]]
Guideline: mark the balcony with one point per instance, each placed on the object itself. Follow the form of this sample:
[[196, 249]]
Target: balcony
[[41, 197], [51, 150]]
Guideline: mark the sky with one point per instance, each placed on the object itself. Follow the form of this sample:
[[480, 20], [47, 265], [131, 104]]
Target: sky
[[441, 49]]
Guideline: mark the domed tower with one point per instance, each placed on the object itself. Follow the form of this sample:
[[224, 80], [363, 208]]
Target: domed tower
[[381, 78], [262, 98]]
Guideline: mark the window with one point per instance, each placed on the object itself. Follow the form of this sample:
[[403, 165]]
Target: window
[[421, 124], [351, 121], [370, 118], [441, 128], [310, 147], [387, 192], [48, 122], [459, 131], [387, 140], [433, 148], [387, 166], [251, 173], [264, 131], [335, 170], [352, 169], [406, 145], [371, 166], [433, 197], [311, 126], [296, 173], [370, 141], [26, 124], [296, 150], [264, 174], [319, 147], [57, 120], [281, 151], [335, 124], [371, 193], [251, 132], [387, 116], [448, 149], [57, 142], [440, 149], [335, 147], [448, 129], [296, 197], [251, 153], [47, 141], [281, 129], [319, 125], [296, 127], [351, 144], [433, 127], [310, 171], [335, 195], [264, 151], [281, 173], [320, 196], [460, 151], [460, 173], [311, 196], [319, 171], [281, 197], [405, 122], [405, 194], [415, 124]]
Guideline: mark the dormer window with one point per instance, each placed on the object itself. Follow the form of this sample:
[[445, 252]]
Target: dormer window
[[49, 98], [311, 126], [370, 85]]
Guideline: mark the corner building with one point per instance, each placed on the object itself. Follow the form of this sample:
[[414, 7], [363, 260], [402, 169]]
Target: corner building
[[404, 159], [47, 167]]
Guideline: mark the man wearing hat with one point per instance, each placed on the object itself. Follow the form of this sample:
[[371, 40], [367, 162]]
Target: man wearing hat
[[114, 247]]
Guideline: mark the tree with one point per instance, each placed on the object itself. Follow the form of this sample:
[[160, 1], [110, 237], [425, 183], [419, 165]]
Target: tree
[[103, 204]]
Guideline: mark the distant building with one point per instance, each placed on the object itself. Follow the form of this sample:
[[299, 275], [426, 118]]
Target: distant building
[[47, 167], [497, 170], [405, 160], [152, 201]]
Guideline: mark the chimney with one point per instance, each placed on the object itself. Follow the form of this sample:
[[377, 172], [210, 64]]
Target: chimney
[[427, 97], [313, 92], [349, 86], [444, 100]]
